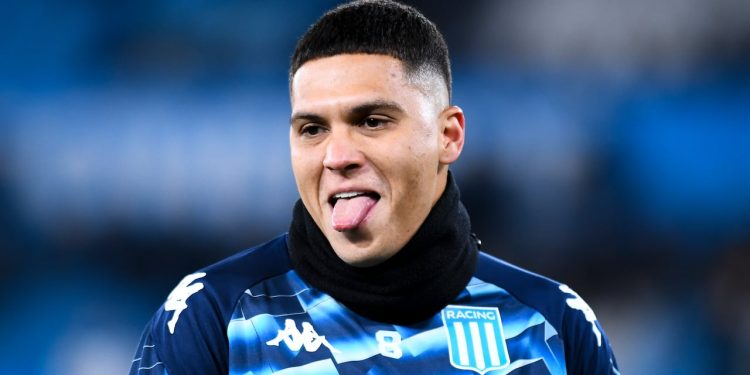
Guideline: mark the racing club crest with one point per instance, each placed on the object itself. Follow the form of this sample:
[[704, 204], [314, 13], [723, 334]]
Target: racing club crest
[[475, 338]]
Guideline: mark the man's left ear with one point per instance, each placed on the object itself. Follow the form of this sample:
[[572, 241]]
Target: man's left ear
[[452, 137]]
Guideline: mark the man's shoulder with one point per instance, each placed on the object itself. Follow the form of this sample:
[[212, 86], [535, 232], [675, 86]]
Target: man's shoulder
[[539, 292], [188, 332], [214, 290], [586, 345]]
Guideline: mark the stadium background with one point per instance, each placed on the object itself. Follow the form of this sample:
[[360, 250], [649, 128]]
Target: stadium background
[[608, 147]]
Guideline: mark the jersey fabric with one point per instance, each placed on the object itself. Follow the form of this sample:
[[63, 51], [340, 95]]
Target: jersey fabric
[[253, 314]]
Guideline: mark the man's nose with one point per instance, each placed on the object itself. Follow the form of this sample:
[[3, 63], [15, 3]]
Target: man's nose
[[342, 153]]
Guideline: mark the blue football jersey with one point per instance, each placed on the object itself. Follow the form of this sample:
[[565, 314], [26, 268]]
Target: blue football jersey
[[252, 314]]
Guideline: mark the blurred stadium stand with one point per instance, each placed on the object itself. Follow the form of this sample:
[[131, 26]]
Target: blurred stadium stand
[[608, 147]]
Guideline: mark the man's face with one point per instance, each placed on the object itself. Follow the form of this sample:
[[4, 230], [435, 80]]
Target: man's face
[[370, 151]]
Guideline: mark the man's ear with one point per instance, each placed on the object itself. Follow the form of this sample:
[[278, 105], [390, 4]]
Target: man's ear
[[452, 137]]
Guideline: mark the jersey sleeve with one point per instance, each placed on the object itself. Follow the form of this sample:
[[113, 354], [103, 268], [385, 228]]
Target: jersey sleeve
[[147, 360], [186, 335], [587, 349]]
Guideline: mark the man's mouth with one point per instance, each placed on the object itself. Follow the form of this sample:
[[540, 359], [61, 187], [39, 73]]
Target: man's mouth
[[351, 208]]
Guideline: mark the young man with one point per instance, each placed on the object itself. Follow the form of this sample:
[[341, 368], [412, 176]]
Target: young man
[[379, 273]]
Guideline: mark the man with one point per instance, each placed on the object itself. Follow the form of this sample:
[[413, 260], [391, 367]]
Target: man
[[379, 272]]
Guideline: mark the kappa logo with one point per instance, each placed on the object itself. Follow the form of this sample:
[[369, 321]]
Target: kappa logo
[[475, 338], [579, 304], [296, 340], [177, 300]]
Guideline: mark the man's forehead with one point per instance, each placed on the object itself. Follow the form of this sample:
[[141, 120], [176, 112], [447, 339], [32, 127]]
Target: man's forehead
[[349, 69], [323, 79]]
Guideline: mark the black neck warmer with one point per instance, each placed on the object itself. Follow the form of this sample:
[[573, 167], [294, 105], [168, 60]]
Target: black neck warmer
[[413, 285]]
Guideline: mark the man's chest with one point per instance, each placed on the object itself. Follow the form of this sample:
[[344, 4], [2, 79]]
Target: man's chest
[[307, 332]]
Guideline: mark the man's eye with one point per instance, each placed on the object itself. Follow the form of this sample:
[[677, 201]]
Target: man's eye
[[311, 130], [374, 122]]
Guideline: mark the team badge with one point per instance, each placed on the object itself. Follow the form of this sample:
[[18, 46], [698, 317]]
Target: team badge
[[475, 338]]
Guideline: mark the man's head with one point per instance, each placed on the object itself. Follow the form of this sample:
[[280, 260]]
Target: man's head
[[378, 27], [372, 132]]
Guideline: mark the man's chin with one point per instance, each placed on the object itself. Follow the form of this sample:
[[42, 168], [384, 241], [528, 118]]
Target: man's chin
[[360, 259], [357, 249]]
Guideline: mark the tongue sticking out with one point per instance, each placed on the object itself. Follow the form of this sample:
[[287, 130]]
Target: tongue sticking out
[[349, 213]]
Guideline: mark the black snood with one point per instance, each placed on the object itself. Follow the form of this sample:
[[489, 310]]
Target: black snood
[[417, 282]]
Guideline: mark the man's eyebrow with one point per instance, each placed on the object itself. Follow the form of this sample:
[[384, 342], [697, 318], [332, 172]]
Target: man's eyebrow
[[307, 116], [359, 110], [367, 108]]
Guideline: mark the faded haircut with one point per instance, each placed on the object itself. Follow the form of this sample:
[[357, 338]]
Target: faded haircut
[[377, 27]]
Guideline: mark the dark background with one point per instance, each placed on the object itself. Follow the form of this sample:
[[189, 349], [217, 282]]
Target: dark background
[[608, 147]]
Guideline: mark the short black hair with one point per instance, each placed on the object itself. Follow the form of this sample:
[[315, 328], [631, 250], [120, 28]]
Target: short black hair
[[376, 27]]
